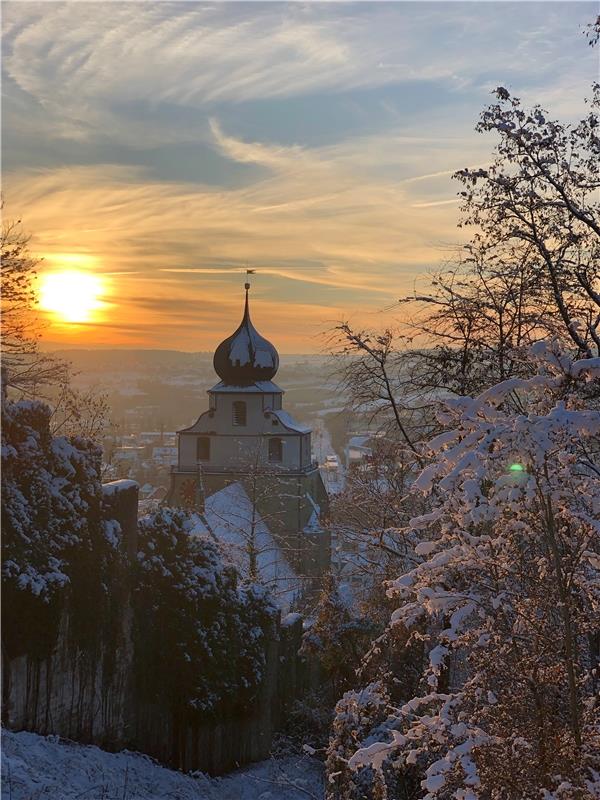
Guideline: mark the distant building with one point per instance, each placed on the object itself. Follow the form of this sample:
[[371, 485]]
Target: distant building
[[245, 436], [358, 450], [131, 454], [165, 455]]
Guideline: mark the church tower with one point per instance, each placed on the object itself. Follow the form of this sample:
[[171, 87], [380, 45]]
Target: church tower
[[245, 436]]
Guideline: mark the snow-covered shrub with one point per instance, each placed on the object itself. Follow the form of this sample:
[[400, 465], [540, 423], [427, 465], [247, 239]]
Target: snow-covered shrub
[[391, 670], [200, 635], [361, 720], [508, 591], [54, 539]]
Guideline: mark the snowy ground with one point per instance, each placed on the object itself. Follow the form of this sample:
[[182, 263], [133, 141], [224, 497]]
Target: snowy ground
[[44, 768]]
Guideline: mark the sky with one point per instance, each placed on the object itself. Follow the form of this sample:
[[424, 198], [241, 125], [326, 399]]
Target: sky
[[165, 147]]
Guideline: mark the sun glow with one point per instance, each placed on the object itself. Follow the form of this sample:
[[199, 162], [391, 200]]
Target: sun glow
[[71, 295]]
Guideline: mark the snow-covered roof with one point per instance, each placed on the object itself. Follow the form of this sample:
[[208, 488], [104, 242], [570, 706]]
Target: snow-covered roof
[[245, 355], [118, 486], [289, 422], [313, 525], [256, 387], [228, 516], [358, 441]]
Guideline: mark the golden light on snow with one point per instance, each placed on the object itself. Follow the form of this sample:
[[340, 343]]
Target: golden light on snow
[[71, 295]]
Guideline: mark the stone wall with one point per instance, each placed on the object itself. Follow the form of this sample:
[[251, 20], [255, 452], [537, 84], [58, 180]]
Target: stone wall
[[89, 696], [74, 695]]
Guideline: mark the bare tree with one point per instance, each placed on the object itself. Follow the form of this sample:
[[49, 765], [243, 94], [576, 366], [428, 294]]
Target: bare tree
[[78, 412], [477, 320], [539, 201], [533, 267], [368, 516], [27, 371], [373, 370], [25, 368]]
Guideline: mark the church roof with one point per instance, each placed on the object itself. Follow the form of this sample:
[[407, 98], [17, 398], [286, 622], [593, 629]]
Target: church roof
[[256, 387], [289, 422], [230, 517], [245, 357]]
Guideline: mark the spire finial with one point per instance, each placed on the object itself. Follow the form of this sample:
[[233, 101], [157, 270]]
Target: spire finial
[[247, 288]]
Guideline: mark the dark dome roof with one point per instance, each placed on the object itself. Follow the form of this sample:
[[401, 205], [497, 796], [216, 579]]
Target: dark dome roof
[[245, 356]]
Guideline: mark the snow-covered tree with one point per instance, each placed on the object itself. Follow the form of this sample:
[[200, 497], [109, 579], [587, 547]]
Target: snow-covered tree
[[506, 597], [54, 537], [359, 717], [200, 635]]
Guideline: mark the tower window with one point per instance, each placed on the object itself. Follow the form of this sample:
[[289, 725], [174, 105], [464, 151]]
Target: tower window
[[275, 449], [203, 448], [239, 412]]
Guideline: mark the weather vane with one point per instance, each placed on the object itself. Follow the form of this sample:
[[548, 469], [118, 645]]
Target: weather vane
[[248, 272]]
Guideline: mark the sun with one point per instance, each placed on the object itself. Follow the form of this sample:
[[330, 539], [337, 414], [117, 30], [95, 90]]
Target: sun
[[72, 295]]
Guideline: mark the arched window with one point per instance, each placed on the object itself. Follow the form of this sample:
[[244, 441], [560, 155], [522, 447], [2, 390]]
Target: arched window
[[239, 412], [203, 448], [275, 449]]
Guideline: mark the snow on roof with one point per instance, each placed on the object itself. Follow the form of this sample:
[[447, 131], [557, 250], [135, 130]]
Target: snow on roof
[[118, 486], [313, 525], [228, 516], [262, 387], [359, 441], [289, 422]]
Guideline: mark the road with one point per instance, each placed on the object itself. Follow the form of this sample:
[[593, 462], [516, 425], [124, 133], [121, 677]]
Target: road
[[322, 447]]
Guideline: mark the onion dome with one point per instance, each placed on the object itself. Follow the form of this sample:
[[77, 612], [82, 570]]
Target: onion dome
[[245, 357]]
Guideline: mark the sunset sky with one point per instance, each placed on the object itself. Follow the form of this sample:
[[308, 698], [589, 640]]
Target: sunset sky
[[161, 146]]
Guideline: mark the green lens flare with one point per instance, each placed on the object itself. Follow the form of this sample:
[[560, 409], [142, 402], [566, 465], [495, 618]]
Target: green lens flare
[[517, 468]]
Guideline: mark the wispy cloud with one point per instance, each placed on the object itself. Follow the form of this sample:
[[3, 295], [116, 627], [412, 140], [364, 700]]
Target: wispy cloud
[[358, 239], [85, 63], [169, 143], [432, 203]]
